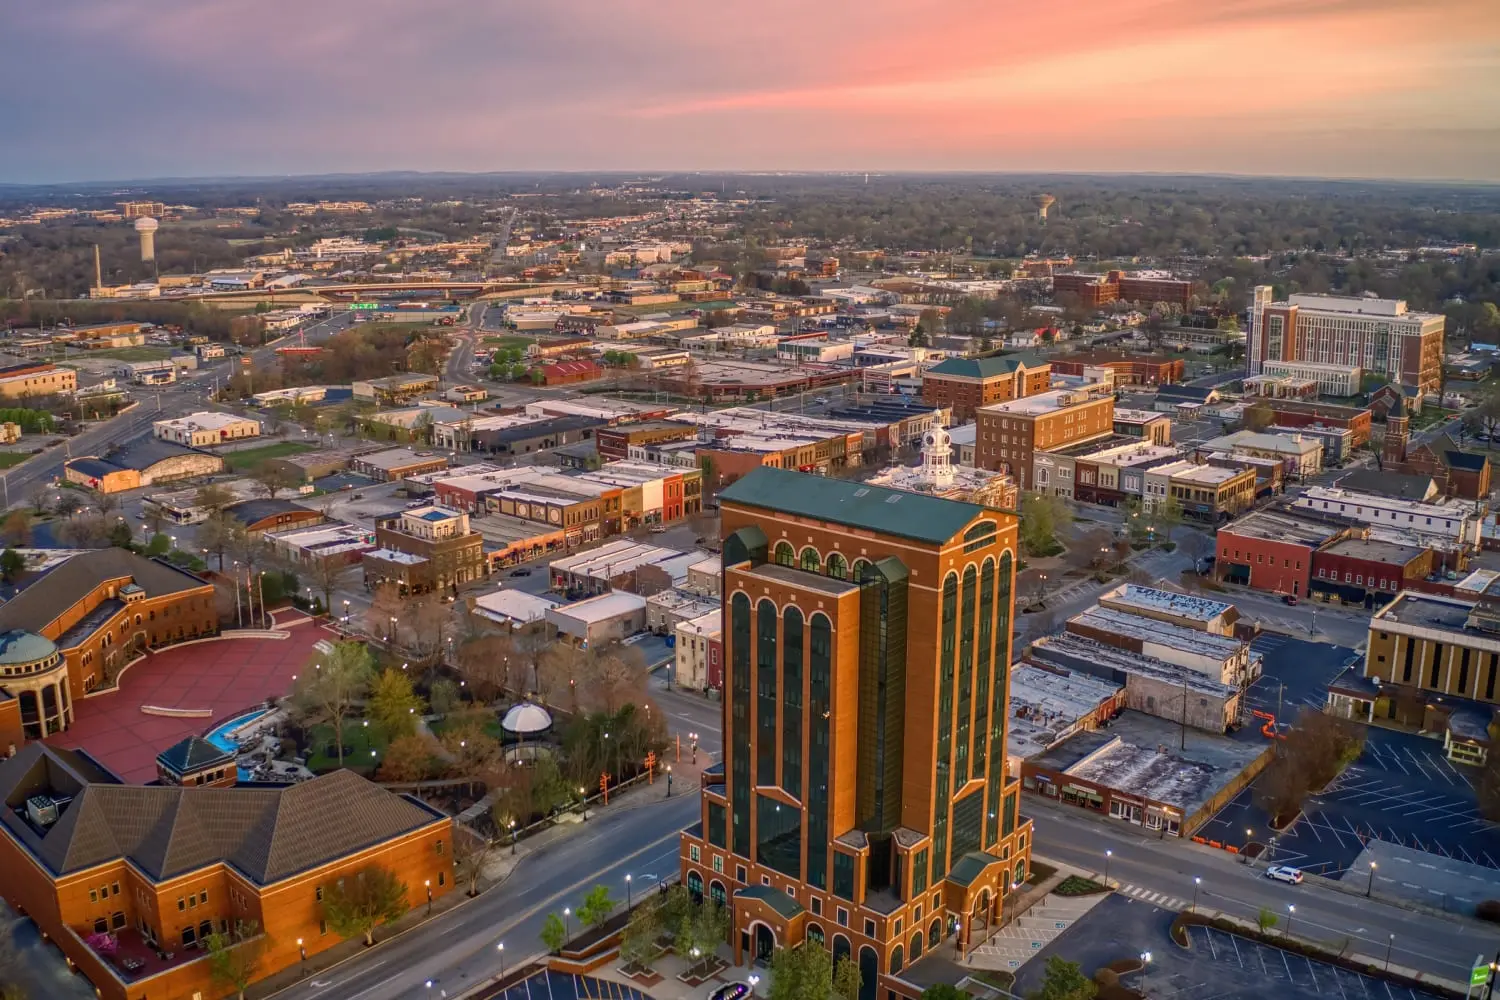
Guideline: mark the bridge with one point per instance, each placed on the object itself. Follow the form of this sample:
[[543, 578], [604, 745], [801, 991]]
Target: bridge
[[365, 291]]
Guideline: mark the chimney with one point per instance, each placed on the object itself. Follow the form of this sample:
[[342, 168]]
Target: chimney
[[98, 271]]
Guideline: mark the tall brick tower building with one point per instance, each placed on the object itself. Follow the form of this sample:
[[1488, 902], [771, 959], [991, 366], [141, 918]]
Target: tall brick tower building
[[863, 804]]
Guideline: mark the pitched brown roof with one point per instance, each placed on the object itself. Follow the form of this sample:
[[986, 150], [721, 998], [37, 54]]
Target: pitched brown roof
[[268, 834], [34, 608]]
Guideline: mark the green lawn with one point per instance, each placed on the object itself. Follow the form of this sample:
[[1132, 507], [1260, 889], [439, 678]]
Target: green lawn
[[9, 459], [508, 343], [491, 726], [239, 461], [360, 739]]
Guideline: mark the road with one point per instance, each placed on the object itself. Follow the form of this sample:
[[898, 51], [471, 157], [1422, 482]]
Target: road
[[457, 950], [1438, 945]]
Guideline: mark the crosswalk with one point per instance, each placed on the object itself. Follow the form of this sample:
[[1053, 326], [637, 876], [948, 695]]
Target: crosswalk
[[1160, 899]]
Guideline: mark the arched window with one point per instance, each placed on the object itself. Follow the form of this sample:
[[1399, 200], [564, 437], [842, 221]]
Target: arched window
[[1020, 871], [869, 972], [815, 935], [861, 567], [811, 561], [934, 932], [785, 555], [916, 946], [840, 948], [837, 568], [898, 959], [717, 894], [695, 886]]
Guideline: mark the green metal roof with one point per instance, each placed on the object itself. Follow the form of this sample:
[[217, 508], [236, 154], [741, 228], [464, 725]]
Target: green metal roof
[[996, 364], [18, 647], [970, 866], [874, 508], [785, 906]]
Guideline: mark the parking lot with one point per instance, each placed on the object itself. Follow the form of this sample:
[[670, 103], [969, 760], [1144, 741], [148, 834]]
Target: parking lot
[[1228, 967], [1216, 966], [1402, 790]]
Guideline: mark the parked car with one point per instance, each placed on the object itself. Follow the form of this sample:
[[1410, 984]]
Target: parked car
[[520, 572], [1290, 599], [731, 991], [821, 400], [1285, 873]]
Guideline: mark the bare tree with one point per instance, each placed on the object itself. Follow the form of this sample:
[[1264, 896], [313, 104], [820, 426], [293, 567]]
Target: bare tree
[[484, 663], [274, 477], [324, 576]]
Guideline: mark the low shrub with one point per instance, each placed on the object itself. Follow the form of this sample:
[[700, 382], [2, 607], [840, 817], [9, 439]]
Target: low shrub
[[1075, 885]]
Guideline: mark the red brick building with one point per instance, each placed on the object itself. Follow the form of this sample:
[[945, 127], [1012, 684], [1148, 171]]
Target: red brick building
[[567, 372], [1364, 570], [128, 880], [1296, 413], [614, 443], [1095, 290], [1129, 369], [966, 384], [1271, 551]]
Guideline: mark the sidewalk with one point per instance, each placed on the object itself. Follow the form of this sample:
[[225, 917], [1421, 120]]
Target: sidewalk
[[497, 869]]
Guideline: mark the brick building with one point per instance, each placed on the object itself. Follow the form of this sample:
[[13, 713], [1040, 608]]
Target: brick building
[[860, 619], [1380, 336], [1434, 657], [1300, 414], [78, 625], [1129, 369], [1094, 290], [1458, 473], [425, 549], [1009, 434], [153, 870], [36, 379], [615, 442], [567, 372], [966, 384], [1271, 551]]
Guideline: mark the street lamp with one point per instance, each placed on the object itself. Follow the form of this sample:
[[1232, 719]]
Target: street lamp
[[512, 838], [627, 892], [753, 981], [568, 921], [669, 781], [1291, 911], [1370, 887], [1197, 883], [583, 803], [302, 950], [428, 884], [1388, 943], [694, 738], [501, 949], [1107, 855], [1145, 958]]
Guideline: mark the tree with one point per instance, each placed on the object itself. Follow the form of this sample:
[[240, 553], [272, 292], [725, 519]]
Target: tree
[[120, 535], [159, 545], [702, 929], [638, 943], [470, 854], [1258, 417], [443, 697], [597, 906], [324, 576], [84, 531], [68, 503], [394, 704], [234, 957], [17, 529], [802, 973], [1042, 517], [215, 534], [554, 933], [213, 498], [11, 565], [408, 759], [484, 663], [1315, 750], [331, 686], [944, 991], [1487, 789], [1266, 920], [357, 904], [471, 751], [1064, 980], [847, 981], [274, 477]]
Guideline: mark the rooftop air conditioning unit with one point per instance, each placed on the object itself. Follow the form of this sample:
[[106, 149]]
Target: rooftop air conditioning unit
[[41, 810]]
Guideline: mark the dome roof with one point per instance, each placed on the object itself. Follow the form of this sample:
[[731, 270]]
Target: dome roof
[[19, 647], [526, 718]]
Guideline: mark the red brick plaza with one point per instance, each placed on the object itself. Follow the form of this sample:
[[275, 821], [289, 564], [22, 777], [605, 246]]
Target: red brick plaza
[[225, 675]]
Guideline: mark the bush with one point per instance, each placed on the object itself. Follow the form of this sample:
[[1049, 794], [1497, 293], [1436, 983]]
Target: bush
[[1075, 885], [1488, 909]]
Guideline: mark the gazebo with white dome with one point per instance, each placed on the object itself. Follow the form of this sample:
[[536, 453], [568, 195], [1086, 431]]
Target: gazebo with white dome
[[526, 721]]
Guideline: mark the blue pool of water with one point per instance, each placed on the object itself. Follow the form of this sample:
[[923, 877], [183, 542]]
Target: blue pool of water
[[219, 735]]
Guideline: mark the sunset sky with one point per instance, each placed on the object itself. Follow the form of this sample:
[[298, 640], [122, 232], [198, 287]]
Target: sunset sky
[[116, 89]]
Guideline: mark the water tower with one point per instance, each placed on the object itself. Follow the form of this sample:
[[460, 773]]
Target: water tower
[[146, 227], [1043, 202]]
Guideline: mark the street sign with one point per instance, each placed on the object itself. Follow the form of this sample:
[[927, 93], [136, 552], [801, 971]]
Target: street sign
[[364, 305], [1479, 975]]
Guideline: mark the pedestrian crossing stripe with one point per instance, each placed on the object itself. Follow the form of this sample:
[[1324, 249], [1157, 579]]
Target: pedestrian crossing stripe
[[1161, 899]]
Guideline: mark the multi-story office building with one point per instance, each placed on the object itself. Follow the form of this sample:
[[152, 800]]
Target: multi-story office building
[[429, 548], [966, 384], [1208, 493], [1379, 336], [36, 379], [1443, 524], [863, 804], [1011, 433], [1095, 290]]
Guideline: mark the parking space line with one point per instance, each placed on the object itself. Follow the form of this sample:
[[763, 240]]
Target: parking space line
[[1212, 950], [1337, 979], [1312, 972], [1261, 953], [1234, 940], [1286, 964]]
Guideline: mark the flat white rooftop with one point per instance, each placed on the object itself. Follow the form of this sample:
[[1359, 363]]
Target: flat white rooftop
[[1131, 596]]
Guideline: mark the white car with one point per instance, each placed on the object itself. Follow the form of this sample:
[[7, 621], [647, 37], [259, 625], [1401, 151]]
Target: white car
[[1284, 873]]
